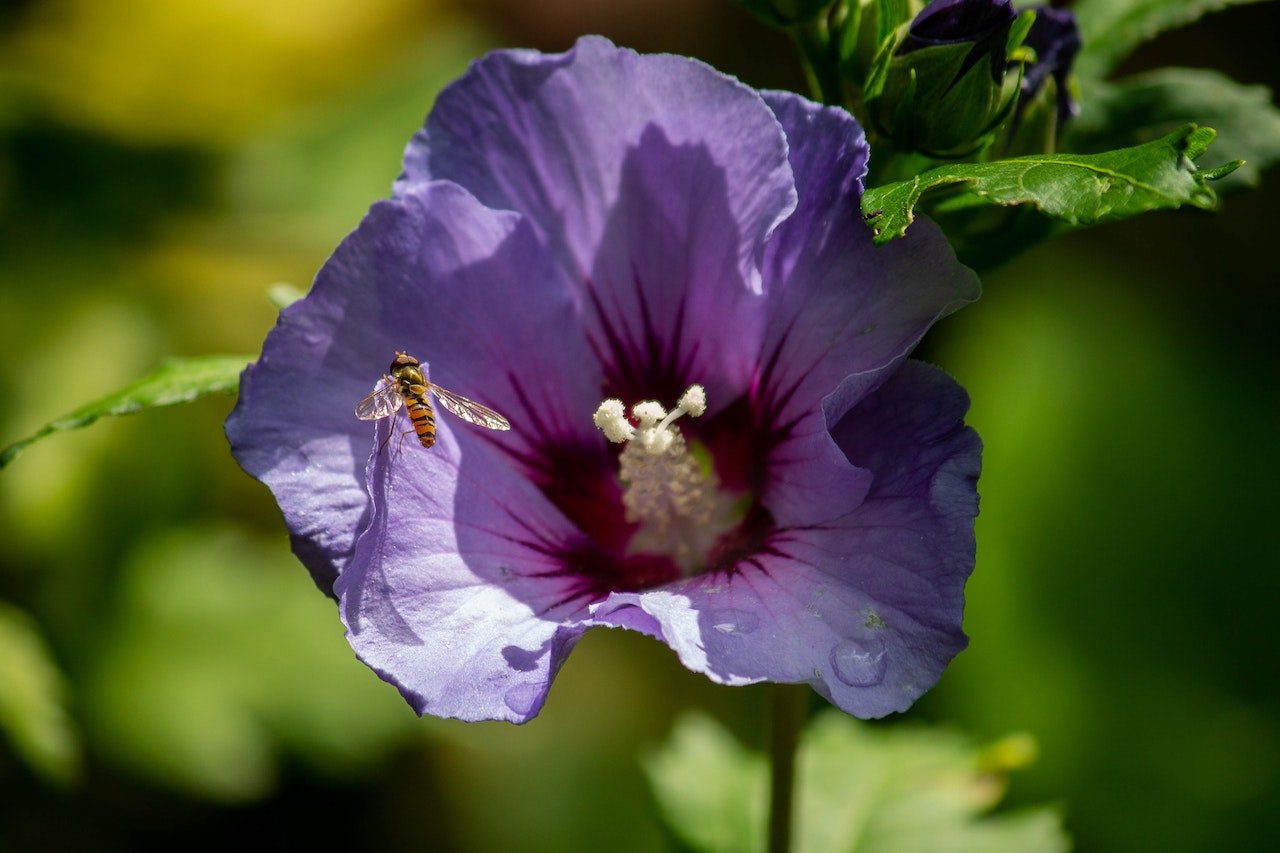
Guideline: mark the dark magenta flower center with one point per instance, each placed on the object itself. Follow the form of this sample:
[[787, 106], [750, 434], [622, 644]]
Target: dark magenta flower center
[[649, 518]]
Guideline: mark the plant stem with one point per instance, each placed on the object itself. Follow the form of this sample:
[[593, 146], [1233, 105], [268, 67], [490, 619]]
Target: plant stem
[[790, 708], [821, 60]]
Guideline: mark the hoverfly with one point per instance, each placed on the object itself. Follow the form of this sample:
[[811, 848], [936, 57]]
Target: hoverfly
[[405, 385]]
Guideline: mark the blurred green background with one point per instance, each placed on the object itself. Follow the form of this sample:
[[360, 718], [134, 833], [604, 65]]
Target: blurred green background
[[169, 675]]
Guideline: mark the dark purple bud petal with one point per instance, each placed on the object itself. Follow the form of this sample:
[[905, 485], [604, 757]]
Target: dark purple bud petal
[[984, 23], [1056, 40]]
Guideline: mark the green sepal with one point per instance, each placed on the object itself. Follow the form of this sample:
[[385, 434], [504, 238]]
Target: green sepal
[[927, 101], [1035, 131], [862, 38], [879, 69], [890, 15], [1078, 189], [178, 380], [1018, 34]]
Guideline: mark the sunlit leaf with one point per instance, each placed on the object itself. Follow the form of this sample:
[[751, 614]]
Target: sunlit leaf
[[858, 788], [1142, 107], [1078, 189], [282, 294], [179, 380], [1111, 29], [32, 700]]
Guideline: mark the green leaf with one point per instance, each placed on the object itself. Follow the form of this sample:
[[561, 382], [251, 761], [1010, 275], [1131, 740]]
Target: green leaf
[[216, 659], [1144, 106], [1078, 189], [178, 380], [33, 700], [710, 790], [888, 789], [1111, 29]]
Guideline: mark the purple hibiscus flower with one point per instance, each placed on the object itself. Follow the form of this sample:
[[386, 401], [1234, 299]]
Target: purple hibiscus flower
[[661, 278]]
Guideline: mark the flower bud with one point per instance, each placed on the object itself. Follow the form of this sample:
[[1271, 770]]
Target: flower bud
[[1056, 40], [944, 84]]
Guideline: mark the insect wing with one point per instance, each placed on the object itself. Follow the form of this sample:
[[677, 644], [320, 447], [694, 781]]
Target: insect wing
[[469, 410], [384, 400]]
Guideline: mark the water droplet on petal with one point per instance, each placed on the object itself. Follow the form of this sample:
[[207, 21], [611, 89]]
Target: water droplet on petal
[[523, 698], [858, 665], [731, 621]]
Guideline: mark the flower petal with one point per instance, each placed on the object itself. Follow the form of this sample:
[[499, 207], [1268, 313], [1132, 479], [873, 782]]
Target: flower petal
[[437, 274], [842, 313], [654, 179], [496, 318], [866, 609], [293, 427], [547, 135], [838, 305], [454, 593], [666, 303]]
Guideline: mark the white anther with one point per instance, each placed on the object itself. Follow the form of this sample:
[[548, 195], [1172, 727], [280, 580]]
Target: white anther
[[657, 441], [648, 413], [694, 401], [652, 432], [611, 418]]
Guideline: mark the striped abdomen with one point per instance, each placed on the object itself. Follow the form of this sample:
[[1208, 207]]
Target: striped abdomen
[[424, 420]]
